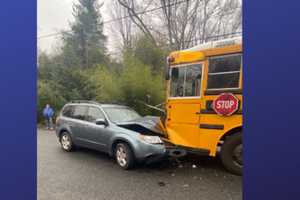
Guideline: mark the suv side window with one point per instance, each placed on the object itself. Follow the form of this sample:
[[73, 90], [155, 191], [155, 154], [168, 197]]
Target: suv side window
[[68, 111], [80, 112], [94, 114]]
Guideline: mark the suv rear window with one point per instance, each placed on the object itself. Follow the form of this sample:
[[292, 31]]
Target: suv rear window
[[68, 111], [80, 112]]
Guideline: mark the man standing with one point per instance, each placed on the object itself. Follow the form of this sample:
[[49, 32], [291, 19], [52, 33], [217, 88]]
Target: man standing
[[48, 114]]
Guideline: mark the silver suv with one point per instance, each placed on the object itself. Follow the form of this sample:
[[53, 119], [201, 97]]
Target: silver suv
[[115, 129]]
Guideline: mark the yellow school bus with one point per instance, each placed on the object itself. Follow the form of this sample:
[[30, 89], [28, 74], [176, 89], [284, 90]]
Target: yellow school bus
[[196, 79]]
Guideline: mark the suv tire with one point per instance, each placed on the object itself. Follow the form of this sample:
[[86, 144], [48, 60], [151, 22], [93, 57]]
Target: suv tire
[[66, 142], [231, 153], [124, 156]]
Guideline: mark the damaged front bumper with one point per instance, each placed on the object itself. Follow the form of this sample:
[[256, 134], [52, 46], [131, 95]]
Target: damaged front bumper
[[151, 126], [150, 153], [158, 153], [180, 151]]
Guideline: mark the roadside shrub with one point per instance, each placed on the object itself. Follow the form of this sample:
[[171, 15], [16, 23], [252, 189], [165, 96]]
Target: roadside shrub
[[49, 93], [104, 84], [130, 86], [138, 82]]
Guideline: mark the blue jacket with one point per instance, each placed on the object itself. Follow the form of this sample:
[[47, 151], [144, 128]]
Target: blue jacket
[[48, 112]]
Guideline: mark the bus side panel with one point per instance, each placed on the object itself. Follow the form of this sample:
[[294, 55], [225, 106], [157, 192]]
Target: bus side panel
[[211, 124], [209, 136], [183, 122]]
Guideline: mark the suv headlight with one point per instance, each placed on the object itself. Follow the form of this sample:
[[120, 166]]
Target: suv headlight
[[151, 139]]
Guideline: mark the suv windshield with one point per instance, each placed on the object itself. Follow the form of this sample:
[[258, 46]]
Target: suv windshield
[[120, 114]]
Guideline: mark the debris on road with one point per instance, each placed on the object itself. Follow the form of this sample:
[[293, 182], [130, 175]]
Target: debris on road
[[161, 183], [216, 174]]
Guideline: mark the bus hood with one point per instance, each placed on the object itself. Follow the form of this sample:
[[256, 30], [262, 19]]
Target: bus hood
[[149, 125]]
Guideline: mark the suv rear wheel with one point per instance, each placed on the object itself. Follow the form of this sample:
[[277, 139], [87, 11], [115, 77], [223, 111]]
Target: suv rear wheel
[[66, 142], [124, 156], [232, 154]]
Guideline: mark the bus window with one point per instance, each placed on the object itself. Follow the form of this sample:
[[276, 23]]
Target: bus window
[[186, 81], [177, 82], [193, 80], [224, 72]]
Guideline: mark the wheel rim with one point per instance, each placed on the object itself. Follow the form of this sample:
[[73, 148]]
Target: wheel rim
[[66, 142], [121, 156], [238, 155]]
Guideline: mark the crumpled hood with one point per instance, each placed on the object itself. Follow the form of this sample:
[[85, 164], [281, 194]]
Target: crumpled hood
[[147, 125]]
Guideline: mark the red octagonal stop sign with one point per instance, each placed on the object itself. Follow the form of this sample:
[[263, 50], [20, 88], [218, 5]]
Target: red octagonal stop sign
[[225, 104]]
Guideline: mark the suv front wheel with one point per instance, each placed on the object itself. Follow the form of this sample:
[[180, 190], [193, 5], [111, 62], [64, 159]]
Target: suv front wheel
[[124, 156]]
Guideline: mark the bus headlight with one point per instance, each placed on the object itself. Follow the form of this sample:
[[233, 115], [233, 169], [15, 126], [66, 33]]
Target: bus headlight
[[150, 139]]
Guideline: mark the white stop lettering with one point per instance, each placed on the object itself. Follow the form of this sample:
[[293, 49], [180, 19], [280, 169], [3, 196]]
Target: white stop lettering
[[225, 104]]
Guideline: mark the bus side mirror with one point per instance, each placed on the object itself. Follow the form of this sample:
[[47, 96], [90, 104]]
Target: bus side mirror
[[168, 73]]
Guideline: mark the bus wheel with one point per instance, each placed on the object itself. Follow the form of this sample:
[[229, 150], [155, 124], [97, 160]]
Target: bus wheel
[[232, 154]]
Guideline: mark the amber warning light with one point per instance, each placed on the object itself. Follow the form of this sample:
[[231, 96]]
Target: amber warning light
[[171, 59]]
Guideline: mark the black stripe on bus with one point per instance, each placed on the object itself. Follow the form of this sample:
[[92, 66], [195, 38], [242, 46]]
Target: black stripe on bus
[[205, 111], [212, 126], [217, 92]]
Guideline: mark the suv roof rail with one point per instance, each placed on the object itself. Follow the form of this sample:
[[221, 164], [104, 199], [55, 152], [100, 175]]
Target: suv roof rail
[[84, 101]]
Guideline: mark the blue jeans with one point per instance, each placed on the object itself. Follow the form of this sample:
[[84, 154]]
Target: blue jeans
[[49, 123]]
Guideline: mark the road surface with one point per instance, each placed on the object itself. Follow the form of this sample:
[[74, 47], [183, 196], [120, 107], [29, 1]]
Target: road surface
[[90, 175]]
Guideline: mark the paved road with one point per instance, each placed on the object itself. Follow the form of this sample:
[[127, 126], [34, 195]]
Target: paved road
[[90, 175]]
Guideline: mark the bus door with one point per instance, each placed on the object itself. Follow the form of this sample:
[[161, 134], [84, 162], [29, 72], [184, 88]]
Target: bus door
[[184, 104]]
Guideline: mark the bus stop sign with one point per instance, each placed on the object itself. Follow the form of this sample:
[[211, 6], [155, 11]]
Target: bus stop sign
[[225, 104]]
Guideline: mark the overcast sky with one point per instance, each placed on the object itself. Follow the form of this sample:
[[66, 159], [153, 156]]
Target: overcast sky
[[54, 16]]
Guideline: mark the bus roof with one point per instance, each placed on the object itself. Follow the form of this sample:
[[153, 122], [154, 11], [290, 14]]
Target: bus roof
[[199, 52], [216, 44]]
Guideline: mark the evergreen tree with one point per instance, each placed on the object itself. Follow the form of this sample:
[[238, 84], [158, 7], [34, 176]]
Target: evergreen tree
[[84, 45]]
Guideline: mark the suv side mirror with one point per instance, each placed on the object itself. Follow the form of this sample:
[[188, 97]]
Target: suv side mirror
[[101, 122]]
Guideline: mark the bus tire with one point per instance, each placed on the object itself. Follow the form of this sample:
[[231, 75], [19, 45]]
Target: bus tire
[[231, 153]]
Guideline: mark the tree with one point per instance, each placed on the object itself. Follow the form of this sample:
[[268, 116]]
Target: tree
[[184, 23], [122, 28], [149, 54], [84, 45]]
